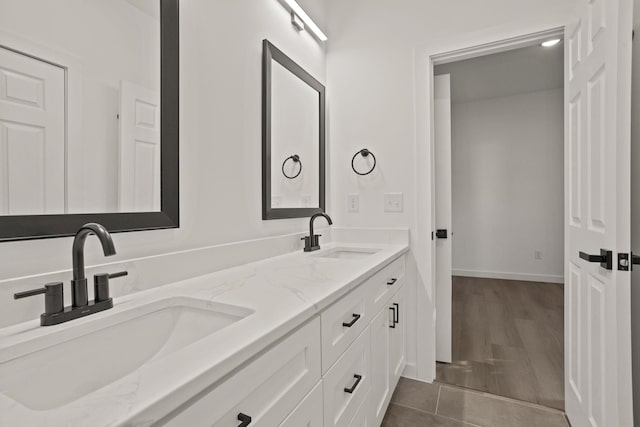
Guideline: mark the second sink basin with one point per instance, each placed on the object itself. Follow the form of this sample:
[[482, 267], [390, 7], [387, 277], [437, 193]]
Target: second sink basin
[[93, 359], [347, 253]]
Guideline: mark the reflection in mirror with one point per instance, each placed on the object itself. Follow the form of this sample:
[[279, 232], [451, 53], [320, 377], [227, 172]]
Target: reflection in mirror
[[294, 132], [79, 106], [293, 138]]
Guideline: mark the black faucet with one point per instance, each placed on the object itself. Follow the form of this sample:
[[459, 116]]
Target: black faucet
[[311, 242], [79, 296], [55, 312]]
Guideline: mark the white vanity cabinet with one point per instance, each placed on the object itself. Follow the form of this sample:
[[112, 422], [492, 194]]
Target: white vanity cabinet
[[338, 370], [388, 354], [266, 390]]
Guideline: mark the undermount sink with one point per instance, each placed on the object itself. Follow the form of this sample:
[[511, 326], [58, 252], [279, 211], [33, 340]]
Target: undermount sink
[[122, 343], [347, 253]]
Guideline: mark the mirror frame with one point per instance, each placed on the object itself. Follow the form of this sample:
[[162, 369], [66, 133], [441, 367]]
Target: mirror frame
[[269, 53], [27, 227]]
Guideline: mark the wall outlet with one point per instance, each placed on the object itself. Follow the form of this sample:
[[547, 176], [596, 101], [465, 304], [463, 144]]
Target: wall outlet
[[537, 255], [353, 203], [394, 202]]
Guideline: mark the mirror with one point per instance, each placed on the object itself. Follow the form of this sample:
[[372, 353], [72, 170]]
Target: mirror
[[293, 140], [88, 116]]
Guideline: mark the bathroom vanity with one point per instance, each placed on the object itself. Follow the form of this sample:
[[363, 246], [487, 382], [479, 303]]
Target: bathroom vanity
[[299, 339]]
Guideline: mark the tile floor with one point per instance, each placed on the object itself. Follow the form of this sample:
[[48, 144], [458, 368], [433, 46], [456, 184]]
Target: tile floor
[[416, 404]]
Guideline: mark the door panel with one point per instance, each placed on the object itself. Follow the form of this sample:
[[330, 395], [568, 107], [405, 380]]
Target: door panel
[[139, 189], [597, 185], [442, 118], [32, 136]]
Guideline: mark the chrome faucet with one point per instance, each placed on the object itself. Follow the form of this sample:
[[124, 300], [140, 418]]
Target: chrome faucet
[[312, 241], [55, 312]]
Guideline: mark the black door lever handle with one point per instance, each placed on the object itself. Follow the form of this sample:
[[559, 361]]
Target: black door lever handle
[[605, 258]]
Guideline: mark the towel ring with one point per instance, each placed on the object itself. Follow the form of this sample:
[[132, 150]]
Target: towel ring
[[364, 153], [296, 159]]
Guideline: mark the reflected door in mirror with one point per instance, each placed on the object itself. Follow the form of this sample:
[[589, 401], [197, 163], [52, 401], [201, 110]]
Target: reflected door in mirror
[[79, 106]]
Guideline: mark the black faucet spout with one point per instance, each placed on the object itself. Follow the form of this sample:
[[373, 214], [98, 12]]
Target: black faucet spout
[[313, 218], [311, 242], [79, 282]]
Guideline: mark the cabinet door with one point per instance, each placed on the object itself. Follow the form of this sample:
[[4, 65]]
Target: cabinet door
[[380, 364], [309, 411], [266, 390], [397, 341]]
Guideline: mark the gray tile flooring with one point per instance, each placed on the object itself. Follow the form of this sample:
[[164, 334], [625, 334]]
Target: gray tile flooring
[[415, 404]]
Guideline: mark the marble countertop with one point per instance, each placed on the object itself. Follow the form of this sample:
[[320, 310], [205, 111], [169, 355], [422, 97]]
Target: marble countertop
[[283, 292]]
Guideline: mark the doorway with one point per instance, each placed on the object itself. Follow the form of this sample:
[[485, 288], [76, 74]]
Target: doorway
[[499, 151]]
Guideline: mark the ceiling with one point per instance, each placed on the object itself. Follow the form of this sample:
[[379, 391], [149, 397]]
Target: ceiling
[[528, 69]]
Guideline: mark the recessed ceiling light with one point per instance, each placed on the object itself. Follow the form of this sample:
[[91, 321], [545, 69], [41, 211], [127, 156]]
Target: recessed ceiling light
[[550, 43]]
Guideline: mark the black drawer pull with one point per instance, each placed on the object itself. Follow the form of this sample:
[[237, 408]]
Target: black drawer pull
[[245, 420], [392, 281], [355, 384], [350, 324], [393, 318], [396, 313]]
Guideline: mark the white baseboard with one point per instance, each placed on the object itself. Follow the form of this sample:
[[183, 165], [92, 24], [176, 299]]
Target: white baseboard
[[509, 276]]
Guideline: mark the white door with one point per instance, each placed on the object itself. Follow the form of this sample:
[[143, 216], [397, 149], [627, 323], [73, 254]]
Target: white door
[[139, 189], [32, 136], [442, 120], [597, 206]]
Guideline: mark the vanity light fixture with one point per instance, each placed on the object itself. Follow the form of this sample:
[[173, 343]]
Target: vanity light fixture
[[550, 43], [297, 23], [298, 14]]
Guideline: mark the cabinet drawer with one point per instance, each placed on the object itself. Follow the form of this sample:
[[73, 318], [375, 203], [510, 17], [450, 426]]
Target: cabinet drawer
[[309, 412], [346, 385], [343, 322], [361, 418], [266, 390], [385, 283]]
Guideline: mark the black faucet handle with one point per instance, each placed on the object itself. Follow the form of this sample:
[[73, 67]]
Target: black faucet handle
[[53, 296], [101, 284], [118, 274]]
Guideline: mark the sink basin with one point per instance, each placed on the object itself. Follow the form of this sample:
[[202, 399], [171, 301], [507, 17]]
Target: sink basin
[[96, 357], [347, 253]]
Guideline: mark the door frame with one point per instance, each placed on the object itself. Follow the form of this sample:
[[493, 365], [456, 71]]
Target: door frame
[[466, 46]]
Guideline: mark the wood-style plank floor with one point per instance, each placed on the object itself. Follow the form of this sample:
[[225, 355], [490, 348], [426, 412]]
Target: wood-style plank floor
[[508, 339]]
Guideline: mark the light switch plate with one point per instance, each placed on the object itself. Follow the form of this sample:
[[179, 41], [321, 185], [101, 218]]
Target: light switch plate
[[353, 203], [394, 202]]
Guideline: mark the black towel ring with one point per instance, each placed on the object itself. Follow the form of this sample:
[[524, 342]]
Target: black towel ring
[[296, 159], [364, 153]]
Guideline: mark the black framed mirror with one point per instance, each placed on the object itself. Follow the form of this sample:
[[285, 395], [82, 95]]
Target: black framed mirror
[[108, 151], [293, 138]]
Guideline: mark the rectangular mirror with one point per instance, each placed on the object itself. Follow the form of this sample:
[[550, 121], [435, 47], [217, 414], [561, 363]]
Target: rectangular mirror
[[293, 138], [88, 116]]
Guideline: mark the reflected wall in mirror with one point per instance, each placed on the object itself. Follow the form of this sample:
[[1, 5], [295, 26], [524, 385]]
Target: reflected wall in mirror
[[293, 138], [83, 136], [79, 106]]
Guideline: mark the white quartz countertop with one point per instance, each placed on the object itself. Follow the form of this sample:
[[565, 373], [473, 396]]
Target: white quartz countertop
[[283, 292]]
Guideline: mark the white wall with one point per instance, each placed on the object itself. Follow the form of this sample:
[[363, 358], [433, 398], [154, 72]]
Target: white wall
[[220, 135], [508, 186], [379, 89]]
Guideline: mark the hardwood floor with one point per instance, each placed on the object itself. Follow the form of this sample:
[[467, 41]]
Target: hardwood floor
[[508, 339]]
